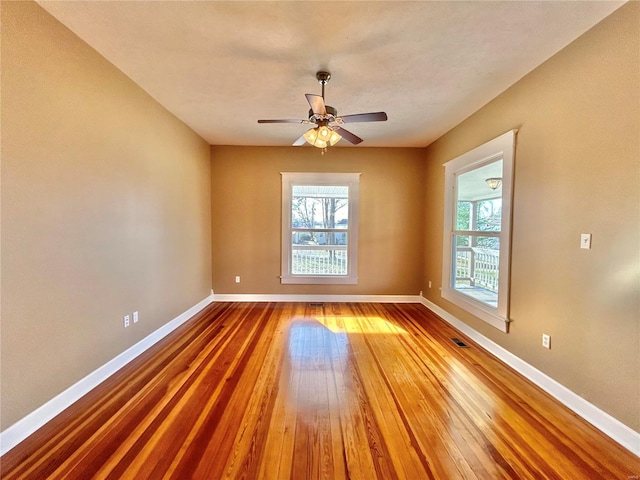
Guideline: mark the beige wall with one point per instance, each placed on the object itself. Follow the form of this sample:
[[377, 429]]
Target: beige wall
[[246, 215], [577, 171], [105, 210]]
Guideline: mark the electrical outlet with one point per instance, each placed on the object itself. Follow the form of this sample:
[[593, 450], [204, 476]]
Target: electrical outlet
[[546, 340], [126, 321], [135, 317], [237, 278]]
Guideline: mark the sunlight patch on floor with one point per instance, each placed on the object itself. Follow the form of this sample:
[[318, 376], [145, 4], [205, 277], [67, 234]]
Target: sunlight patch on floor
[[367, 325]]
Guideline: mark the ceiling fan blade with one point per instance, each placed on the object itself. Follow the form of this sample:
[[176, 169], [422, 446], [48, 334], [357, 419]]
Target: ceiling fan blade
[[316, 102], [283, 121], [348, 136], [365, 117], [299, 142]]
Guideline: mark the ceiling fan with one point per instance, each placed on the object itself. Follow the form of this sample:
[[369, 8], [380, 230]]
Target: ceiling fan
[[328, 128]]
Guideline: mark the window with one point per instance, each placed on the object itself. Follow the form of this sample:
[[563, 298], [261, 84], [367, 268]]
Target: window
[[477, 230], [320, 228]]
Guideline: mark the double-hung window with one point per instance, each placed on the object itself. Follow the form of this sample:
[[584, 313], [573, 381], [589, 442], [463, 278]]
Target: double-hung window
[[477, 230], [320, 228]]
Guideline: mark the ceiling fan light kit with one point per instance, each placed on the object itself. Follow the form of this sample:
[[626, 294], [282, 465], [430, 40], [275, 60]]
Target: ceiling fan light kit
[[329, 126], [322, 137]]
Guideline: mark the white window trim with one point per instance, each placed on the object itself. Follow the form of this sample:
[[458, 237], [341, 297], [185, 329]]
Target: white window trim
[[352, 180], [500, 147]]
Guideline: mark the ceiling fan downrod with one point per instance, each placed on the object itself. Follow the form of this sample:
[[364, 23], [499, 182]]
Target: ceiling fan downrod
[[323, 78]]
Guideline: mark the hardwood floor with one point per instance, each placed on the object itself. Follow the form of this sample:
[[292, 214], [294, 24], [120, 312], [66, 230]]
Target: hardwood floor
[[296, 391]]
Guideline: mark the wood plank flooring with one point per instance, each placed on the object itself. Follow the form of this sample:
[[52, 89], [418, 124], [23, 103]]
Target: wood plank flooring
[[297, 391]]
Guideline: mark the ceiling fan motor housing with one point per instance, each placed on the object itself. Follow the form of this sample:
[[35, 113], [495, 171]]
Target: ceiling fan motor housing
[[332, 112]]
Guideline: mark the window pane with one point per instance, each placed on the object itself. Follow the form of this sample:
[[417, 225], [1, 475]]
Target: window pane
[[489, 215], [477, 262], [478, 205], [319, 261], [463, 216], [320, 206]]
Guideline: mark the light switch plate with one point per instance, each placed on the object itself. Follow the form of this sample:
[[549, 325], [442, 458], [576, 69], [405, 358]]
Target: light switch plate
[[585, 241]]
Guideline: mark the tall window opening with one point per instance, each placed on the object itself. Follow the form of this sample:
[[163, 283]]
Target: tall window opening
[[477, 230], [319, 227]]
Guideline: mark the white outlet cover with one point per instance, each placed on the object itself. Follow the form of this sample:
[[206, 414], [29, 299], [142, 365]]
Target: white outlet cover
[[546, 341], [126, 321]]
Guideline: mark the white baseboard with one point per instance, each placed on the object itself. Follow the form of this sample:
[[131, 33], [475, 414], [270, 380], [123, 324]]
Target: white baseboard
[[625, 436], [20, 430], [267, 297]]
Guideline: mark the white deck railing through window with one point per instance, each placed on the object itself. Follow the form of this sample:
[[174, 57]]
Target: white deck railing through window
[[477, 267], [319, 260]]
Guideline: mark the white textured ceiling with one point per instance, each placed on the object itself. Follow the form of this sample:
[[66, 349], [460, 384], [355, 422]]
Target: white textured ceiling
[[220, 66]]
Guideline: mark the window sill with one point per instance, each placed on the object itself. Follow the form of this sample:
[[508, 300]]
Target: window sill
[[480, 310]]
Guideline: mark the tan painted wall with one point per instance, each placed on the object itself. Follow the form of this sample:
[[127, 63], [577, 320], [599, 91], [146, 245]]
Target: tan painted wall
[[577, 171], [105, 210], [246, 215]]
